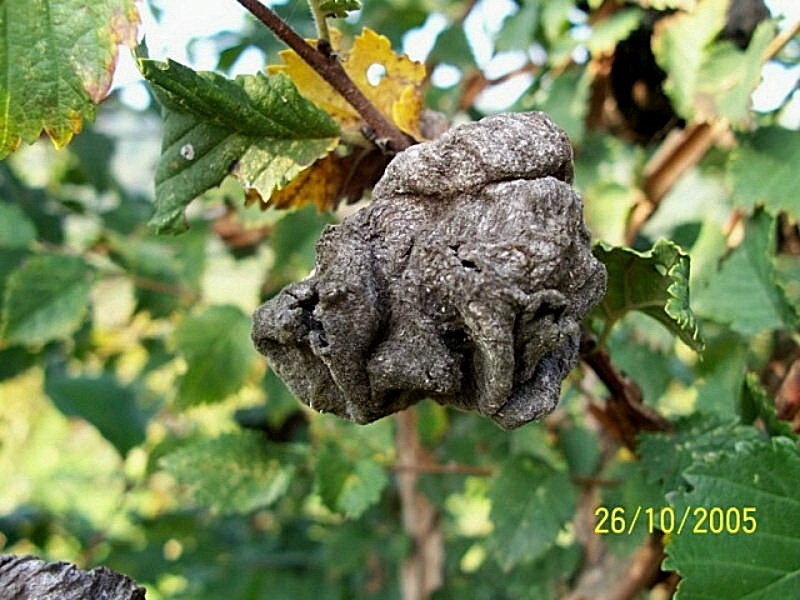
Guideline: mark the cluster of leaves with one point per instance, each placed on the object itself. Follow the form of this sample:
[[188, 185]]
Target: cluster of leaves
[[141, 431]]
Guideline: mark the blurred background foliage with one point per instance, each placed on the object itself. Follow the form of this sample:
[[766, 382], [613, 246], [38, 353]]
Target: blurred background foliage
[[141, 431]]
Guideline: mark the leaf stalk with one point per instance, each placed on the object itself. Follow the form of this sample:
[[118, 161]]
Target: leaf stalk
[[320, 20]]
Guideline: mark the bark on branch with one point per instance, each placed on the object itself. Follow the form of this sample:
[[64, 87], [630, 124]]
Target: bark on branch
[[326, 64]]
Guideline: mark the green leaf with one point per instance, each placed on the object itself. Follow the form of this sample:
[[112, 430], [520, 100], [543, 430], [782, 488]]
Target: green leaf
[[545, 578], [653, 369], [103, 402], [518, 29], [720, 375], [46, 298], [218, 352], [452, 47], [665, 456], [15, 360], [606, 173], [347, 486], [609, 32], [757, 404], [531, 502], [234, 473], [339, 8], [679, 45], [565, 101], [259, 128], [9, 261], [772, 150], [664, 4], [655, 282], [581, 448], [16, 229], [57, 58], [764, 564], [728, 77], [745, 293], [554, 18], [329, 474], [362, 488], [176, 264], [634, 489], [281, 403]]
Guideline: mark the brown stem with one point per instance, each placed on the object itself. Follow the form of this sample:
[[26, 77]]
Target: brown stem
[[434, 468], [624, 414], [643, 571], [422, 571], [781, 40], [681, 150], [330, 69], [162, 287], [684, 148], [477, 83]]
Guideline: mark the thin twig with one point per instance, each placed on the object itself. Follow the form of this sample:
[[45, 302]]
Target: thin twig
[[111, 270], [680, 151], [783, 38], [624, 414], [479, 82], [435, 468], [386, 135]]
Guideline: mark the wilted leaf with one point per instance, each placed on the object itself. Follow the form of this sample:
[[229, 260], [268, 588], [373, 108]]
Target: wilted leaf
[[655, 282], [764, 563], [397, 95], [745, 293], [260, 129], [330, 180], [57, 58], [218, 352], [103, 402], [531, 502], [46, 298], [234, 473], [772, 150]]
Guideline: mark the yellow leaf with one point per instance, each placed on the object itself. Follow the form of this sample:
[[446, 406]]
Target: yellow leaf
[[327, 182], [397, 95], [320, 184]]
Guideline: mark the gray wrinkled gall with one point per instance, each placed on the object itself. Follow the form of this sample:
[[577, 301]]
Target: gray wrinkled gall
[[464, 281]]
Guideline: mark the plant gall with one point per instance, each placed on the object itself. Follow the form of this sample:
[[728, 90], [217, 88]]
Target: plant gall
[[464, 281]]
